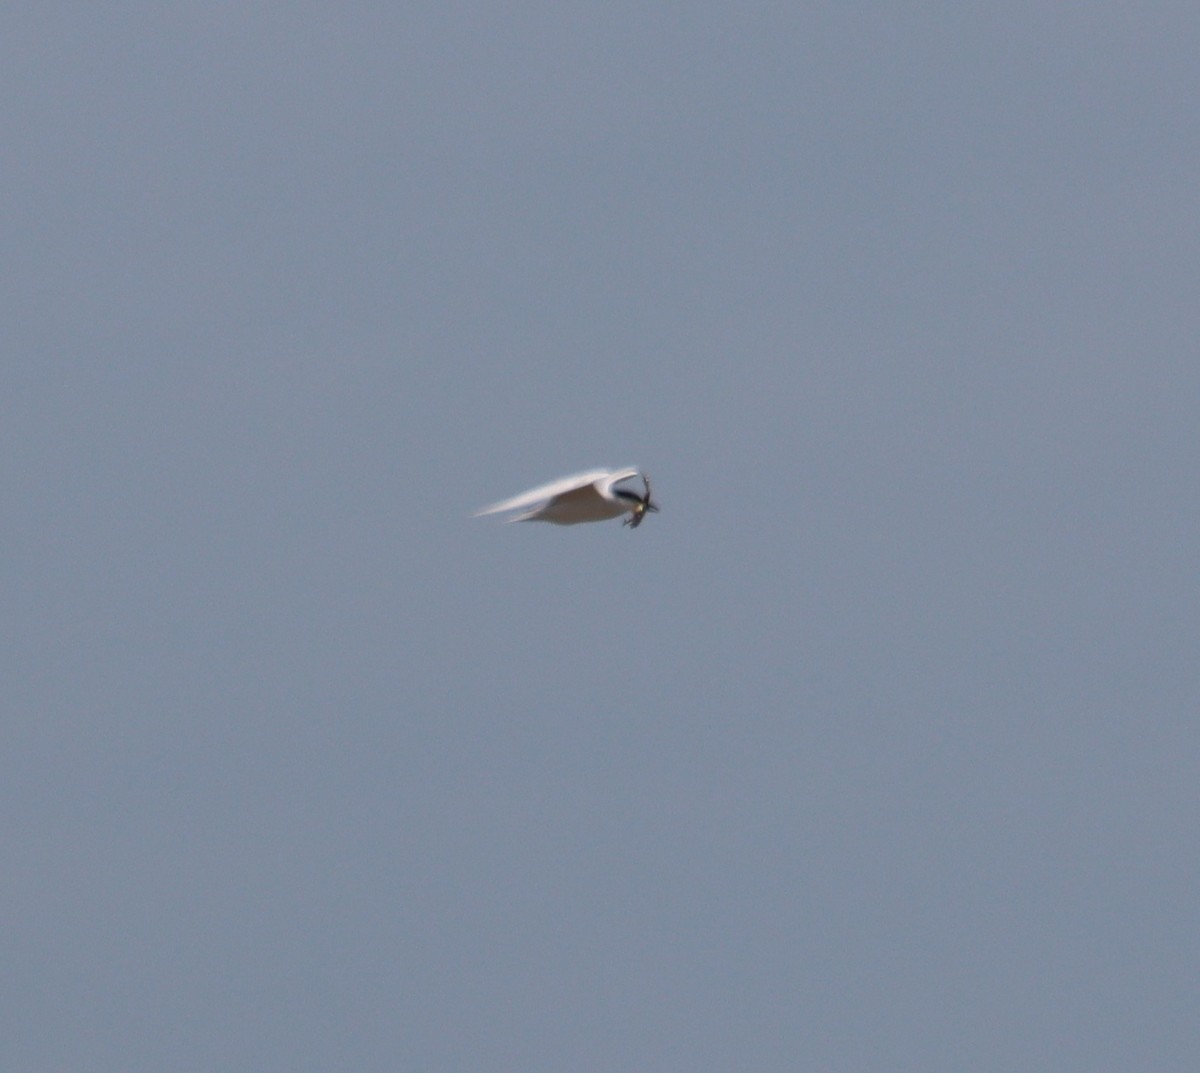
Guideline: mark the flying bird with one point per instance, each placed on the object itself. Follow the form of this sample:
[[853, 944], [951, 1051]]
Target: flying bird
[[585, 497]]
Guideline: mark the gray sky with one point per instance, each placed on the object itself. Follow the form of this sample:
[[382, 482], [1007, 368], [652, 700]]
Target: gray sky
[[877, 749]]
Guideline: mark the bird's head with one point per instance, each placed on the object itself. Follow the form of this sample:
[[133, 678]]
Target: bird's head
[[641, 505]]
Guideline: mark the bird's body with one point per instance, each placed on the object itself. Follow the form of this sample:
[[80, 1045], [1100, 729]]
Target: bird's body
[[585, 497]]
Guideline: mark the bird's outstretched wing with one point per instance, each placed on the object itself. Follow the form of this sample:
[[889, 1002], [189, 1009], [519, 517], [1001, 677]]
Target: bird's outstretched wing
[[616, 476], [552, 489]]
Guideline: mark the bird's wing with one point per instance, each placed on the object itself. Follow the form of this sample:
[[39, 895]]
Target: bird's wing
[[616, 476], [549, 491]]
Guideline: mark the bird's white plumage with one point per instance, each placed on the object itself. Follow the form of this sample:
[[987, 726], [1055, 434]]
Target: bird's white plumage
[[583, 497], [556, 488]]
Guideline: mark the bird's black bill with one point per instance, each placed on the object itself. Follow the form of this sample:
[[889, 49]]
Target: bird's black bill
[[642, 508]]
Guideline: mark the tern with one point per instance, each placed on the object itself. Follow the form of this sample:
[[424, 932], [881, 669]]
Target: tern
[[585, 497]]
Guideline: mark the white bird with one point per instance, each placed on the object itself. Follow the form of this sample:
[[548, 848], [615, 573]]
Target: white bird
[[585, 497]]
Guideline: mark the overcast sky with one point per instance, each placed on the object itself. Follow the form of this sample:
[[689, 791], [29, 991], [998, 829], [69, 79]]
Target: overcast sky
[[875, 750]]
